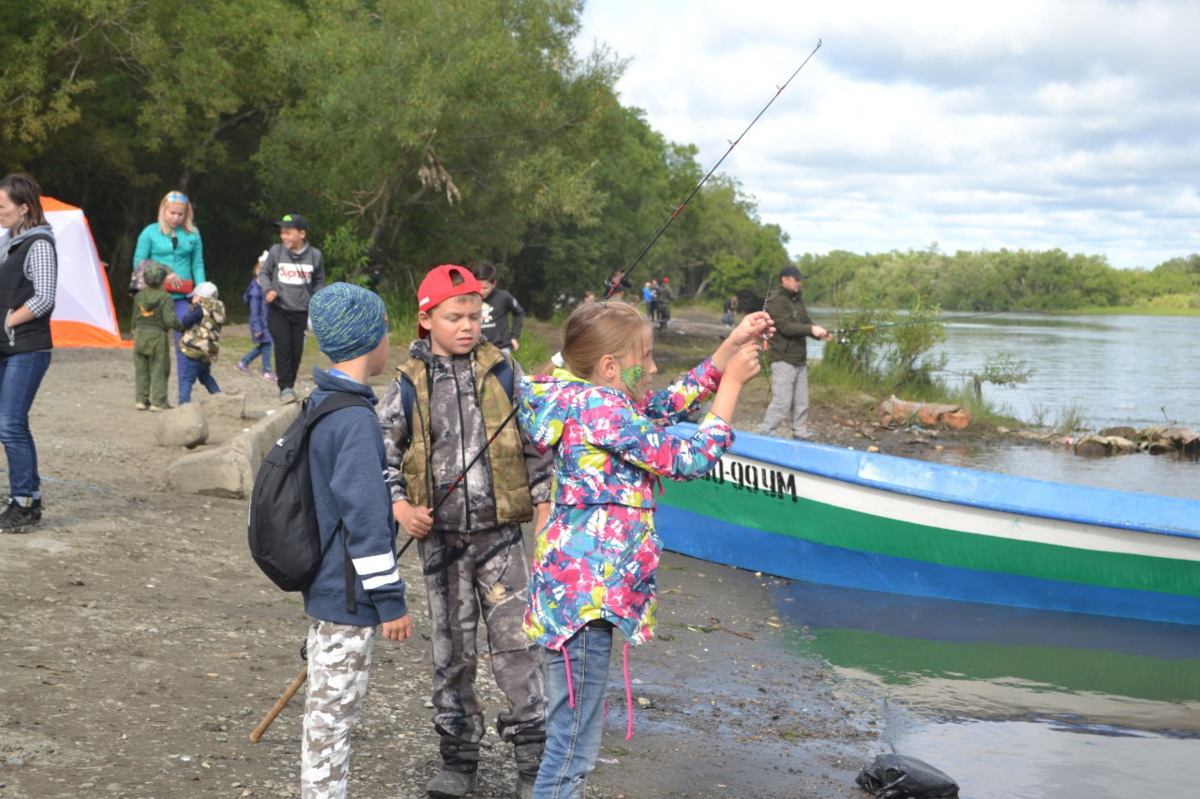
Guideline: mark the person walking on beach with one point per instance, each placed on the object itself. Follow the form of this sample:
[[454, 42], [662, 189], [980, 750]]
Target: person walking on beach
[[787, 354], [650, 299], [594, 562], [257, 306], [28, 283], [666, 296], [350, 493], [729, 311], [293, 272], [450, 403]]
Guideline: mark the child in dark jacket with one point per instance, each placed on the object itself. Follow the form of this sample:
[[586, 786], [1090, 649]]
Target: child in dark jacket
[[350, 493], [472, 554], [253, 297]]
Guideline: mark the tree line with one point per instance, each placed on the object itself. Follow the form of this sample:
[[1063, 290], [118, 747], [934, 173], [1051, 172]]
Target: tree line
[[417, 132], [408, 132], [1007, 280]]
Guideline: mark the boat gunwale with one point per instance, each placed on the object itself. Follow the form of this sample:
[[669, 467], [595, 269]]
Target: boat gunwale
[[1072, 503]]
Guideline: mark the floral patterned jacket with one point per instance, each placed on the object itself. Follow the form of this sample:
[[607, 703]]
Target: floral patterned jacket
[[596, 557]]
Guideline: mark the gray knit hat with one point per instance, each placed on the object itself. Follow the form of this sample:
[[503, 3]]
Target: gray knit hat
[[348, 320]]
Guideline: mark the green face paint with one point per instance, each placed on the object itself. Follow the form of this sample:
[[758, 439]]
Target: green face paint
[[631, 377]]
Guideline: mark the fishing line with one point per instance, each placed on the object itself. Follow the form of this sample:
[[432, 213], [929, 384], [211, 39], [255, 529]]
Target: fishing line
[[610, 287], [841, 332]]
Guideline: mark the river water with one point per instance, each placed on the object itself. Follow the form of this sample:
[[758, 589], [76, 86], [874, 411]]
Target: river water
[[1019, 703], [1107, 371]]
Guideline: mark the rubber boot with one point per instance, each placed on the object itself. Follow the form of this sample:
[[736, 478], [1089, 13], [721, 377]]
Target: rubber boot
[[527, 751], [460, 764]]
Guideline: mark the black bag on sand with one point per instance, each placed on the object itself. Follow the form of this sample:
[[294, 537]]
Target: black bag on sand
[[900, 777], [285, 540]]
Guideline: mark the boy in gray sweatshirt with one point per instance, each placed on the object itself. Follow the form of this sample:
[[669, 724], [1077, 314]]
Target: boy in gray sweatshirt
[[293, 272]]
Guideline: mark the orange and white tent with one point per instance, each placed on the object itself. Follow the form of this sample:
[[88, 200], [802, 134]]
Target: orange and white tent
[[84, 315]]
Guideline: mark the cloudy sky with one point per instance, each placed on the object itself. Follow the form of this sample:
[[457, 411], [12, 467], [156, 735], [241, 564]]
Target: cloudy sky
[[1036, 125]]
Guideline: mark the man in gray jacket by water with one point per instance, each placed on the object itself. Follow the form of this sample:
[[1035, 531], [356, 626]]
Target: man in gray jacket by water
[[787, 354], [293, 272]]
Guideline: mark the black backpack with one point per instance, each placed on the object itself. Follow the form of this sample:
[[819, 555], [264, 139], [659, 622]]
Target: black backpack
[[284, 537]]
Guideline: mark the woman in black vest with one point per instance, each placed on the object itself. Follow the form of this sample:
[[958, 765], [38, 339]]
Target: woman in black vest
[[28, 278]]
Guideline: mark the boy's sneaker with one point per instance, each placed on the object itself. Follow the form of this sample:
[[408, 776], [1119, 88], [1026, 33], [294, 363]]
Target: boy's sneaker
[[242, 367], [141, 406], [19, 519], [287, 397], [159, 408], [270, 378]]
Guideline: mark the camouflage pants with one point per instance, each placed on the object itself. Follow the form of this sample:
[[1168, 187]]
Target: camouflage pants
[[339, 656], [486, 575]]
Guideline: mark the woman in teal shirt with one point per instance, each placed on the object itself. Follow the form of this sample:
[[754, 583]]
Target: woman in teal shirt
[[174, 242]]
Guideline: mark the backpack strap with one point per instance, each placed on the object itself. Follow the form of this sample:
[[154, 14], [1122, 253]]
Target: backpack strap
[[507, 377], [313, 414], [408, 394]]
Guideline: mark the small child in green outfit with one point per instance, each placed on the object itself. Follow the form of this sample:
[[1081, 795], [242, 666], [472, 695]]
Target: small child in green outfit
[[153, 316]]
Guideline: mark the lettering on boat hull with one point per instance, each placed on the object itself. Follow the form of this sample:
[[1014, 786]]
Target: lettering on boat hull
[[758, 478]]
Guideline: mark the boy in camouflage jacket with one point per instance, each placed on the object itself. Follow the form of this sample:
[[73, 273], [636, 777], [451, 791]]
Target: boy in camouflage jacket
[[437, 416], [201, 341]]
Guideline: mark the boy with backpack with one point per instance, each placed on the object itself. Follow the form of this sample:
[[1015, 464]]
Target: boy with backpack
[[357, 586], [464, 502]]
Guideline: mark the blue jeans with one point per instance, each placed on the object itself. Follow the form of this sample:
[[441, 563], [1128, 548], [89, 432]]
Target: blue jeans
[[20, 376], [182, 306], [191, 371], [573, 733], [262, 348]]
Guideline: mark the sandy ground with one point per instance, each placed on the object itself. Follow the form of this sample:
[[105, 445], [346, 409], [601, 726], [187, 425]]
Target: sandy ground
[[139, 646]]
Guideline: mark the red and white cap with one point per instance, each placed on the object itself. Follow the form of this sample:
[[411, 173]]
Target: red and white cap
[[439, 286]]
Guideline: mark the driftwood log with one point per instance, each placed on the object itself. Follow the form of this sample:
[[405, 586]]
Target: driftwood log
[[902, 413]]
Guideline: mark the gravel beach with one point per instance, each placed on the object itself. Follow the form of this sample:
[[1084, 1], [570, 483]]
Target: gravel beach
[[139, 646]]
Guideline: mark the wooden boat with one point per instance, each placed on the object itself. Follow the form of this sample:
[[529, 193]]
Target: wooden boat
[[865, 520]]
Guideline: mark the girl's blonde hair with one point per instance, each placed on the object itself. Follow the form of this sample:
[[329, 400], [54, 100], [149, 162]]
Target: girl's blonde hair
[[175, 197], [603, 328]]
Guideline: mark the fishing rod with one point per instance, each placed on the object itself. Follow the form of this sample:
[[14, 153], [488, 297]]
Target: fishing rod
[[610, 287], [842, 332]]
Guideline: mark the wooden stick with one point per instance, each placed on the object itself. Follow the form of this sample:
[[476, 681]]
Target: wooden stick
[[280, 705]]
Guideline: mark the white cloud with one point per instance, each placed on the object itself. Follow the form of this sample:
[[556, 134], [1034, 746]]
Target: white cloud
[[1025, 124]]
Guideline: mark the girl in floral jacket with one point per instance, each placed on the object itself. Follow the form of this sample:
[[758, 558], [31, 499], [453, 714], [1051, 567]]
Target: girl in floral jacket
[[595, 560]]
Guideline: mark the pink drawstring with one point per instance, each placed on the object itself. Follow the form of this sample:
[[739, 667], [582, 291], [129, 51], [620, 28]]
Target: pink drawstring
[[628, 690], [570, 688]]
